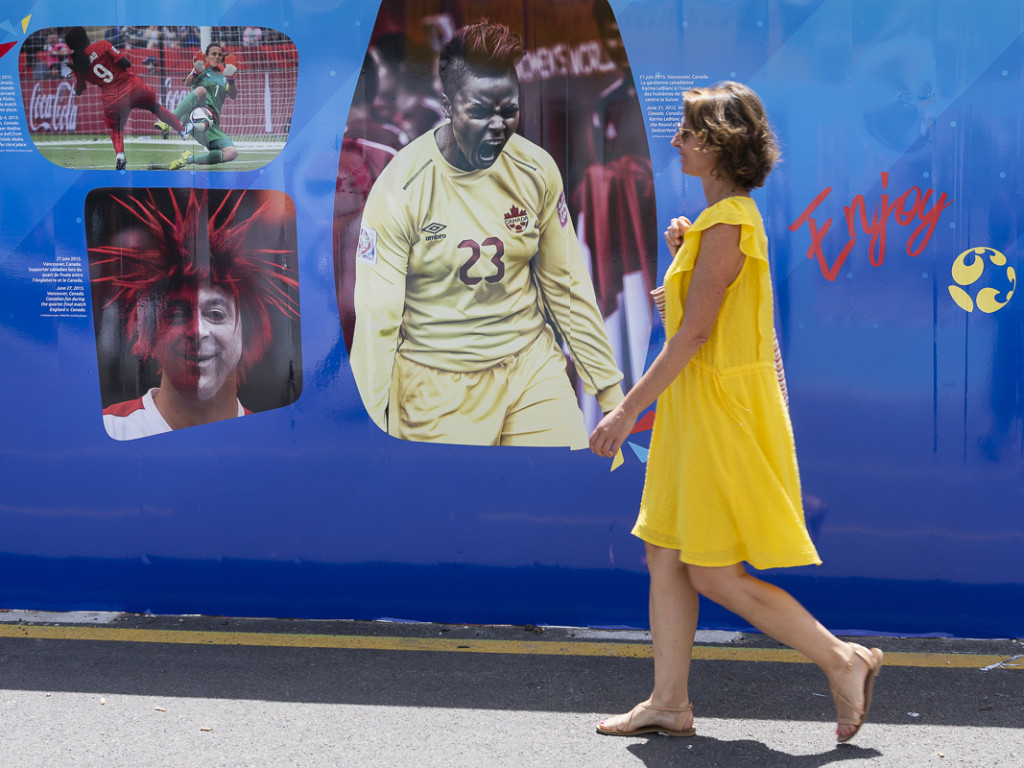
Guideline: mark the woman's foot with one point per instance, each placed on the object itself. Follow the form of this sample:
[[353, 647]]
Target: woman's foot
[[852, 687], [646, 718]]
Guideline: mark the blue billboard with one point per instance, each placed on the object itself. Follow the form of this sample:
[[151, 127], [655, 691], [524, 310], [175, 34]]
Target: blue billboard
[[213, 171]]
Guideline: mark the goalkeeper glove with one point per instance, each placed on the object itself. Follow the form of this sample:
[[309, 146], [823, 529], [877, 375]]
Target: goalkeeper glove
[[230, 65], [199, 62]]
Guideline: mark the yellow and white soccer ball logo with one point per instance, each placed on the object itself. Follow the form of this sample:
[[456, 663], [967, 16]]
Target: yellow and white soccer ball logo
[[990, 294]]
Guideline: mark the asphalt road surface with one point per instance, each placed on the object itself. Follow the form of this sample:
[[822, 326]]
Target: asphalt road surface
[[123, 690]]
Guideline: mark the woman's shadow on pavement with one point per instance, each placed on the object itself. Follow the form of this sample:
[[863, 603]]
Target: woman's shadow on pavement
[[662, 752]]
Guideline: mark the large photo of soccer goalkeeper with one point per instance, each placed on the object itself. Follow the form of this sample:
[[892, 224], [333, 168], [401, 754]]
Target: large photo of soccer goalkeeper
[[195, 304], [495, 223], [159, 98]]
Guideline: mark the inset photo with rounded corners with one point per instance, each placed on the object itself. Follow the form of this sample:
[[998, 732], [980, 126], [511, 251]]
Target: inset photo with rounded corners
[[156, 97], [495, 229], [195, 298]]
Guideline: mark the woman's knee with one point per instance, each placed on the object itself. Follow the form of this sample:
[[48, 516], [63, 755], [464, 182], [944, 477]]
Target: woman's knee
[[661, 559], [716, 583]]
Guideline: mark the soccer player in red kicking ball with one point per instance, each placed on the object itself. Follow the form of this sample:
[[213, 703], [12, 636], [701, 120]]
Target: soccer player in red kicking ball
[[105, 66]]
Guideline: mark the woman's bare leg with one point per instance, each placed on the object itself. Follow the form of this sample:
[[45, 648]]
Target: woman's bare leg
[[776, 613], [673, 613]]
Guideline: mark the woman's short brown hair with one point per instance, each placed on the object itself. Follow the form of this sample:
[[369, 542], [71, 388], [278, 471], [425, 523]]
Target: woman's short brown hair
[[730, 119]]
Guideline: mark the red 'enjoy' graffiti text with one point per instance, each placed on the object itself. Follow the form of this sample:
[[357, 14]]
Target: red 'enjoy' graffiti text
[[911, 205]]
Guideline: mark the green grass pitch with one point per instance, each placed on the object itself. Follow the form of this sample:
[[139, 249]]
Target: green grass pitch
[[149, 153]]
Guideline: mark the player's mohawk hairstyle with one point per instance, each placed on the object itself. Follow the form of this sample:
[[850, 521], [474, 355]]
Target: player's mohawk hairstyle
[[481, 48], [191, 245]]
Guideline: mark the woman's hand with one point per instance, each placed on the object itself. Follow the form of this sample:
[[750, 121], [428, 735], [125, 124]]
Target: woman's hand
[[609, 436], [674, 234]]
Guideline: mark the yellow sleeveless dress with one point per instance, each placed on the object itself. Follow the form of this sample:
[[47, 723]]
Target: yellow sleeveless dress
[[722, 480]]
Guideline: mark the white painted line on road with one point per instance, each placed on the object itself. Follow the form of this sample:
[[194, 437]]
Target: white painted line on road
[[640, 636], [59, 617]]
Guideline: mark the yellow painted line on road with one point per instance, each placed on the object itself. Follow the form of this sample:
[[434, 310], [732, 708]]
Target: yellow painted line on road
[[453, 645]]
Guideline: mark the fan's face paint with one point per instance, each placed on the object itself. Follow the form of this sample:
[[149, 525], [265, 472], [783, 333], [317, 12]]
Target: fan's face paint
[[198, 339]]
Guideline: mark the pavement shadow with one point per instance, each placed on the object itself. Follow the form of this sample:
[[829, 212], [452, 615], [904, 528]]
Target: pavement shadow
[[663, 752], [501, 682]]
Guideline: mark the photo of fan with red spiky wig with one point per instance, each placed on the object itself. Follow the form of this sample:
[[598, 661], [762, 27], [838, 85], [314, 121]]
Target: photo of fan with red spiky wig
[[196, 282]]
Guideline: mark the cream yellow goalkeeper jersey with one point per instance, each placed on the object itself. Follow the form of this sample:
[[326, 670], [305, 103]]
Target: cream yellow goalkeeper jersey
[[460, 269]]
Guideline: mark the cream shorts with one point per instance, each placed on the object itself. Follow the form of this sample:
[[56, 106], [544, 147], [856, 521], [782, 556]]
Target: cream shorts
[[525, 399]]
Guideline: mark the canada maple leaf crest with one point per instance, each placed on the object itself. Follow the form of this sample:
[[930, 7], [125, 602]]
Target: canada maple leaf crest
[[516, 220]]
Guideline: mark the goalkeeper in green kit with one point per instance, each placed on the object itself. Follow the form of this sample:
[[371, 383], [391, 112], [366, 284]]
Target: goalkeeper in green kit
[[212, 81]]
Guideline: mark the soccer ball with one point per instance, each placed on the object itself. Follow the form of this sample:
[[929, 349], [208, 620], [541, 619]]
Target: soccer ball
[[201, 118]]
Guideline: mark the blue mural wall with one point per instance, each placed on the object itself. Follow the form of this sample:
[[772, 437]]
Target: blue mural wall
[[894, 223]]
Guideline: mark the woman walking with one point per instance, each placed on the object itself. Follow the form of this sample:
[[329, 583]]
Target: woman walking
[[722, 486]]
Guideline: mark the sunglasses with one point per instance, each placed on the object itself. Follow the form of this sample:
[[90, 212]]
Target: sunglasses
[[682, 132]]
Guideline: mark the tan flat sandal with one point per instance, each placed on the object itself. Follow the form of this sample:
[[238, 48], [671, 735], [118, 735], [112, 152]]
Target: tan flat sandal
[[682, 712], [873, 659]]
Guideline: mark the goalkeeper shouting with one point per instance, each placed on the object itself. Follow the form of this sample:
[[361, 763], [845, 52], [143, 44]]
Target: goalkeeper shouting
[[212, 80]]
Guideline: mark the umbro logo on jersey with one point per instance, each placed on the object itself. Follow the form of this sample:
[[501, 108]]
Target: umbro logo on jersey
[[516, 220], [435, 231]]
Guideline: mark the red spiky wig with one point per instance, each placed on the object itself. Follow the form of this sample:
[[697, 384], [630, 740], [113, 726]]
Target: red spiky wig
[[190, 245]]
